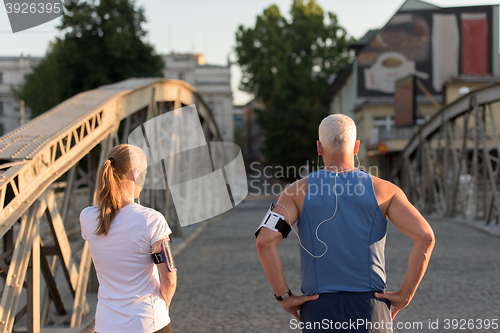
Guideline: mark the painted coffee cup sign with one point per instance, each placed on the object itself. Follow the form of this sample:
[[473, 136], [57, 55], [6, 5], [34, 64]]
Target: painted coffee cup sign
[[389, 67], [432, 44]]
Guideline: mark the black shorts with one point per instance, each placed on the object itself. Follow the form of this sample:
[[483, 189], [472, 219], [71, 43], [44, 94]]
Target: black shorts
[[346, 312], [166, 329]]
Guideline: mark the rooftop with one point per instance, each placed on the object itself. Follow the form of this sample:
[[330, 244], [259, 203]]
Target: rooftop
[[19, 57], [342, 75], [365, 40], [473, 79]]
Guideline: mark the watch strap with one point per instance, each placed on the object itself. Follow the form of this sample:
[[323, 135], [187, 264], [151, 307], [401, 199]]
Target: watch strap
[[284, 297]]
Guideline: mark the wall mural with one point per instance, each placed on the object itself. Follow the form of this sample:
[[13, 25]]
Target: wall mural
[[434, 45]]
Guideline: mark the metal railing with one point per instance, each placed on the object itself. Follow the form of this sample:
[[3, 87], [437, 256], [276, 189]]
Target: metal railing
[[451, 165], [69, 142]]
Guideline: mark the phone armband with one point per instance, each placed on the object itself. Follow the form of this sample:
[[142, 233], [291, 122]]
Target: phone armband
[[165, 256], [275, 222]]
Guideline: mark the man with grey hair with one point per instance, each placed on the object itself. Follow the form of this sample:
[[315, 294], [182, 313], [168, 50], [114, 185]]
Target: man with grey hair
[[341, 214]]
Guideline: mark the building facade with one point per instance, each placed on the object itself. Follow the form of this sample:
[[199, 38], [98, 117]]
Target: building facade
[[211, 81], [252, 133], [440, 49], [12, 72], [239, 125]]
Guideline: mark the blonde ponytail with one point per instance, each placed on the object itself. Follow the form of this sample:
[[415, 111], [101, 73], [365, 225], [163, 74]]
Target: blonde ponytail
[[110, 177]]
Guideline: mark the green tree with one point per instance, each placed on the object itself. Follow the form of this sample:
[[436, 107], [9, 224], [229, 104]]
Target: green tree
[[287, 63], [103, 42]]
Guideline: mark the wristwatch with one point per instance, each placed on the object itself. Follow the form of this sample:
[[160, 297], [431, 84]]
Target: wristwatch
[[284, 297]]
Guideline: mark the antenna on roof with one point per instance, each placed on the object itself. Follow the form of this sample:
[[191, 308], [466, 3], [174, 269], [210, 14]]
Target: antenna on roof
[[205, 47], [170, 37]]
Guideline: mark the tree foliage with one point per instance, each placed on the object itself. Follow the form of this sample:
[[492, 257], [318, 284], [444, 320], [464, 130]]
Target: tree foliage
[[286, 63], [103, 43]]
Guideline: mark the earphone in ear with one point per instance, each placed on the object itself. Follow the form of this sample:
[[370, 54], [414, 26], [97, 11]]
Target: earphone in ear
[[318, 166], [136, 172]]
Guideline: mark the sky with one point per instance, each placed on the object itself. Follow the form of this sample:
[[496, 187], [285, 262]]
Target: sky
[[209, 27]]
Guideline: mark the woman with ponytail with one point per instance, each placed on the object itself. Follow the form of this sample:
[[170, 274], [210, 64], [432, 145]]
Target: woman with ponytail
[[122, 235]]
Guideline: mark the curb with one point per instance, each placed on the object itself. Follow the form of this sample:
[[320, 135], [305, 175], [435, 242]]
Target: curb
[[482, 227]]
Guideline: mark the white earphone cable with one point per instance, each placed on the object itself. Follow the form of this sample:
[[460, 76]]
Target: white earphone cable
[[317, 228]]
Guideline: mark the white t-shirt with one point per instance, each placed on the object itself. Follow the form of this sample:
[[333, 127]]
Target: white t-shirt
[[129, 298]]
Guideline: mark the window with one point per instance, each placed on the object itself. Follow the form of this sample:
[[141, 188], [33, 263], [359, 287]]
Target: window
[[384, 123], [238, 121], [211, 105], [1, 129], [1, 77], [180, 76], [383, 128], [1, 108]]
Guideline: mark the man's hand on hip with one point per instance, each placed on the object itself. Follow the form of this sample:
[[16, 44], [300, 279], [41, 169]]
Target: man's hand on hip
[[397, 299], [294, 303]]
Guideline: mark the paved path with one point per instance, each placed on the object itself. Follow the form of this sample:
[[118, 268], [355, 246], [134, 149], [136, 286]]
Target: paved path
[[222, 287], [462, 281]]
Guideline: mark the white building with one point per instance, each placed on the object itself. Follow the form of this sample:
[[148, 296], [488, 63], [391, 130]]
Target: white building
[[12, 71], [211, 81]]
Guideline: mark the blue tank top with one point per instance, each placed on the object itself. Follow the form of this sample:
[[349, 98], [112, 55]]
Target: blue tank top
[[355, 237]]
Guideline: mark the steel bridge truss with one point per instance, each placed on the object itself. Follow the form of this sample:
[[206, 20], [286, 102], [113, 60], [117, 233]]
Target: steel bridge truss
[[45, 166], [451, 167]]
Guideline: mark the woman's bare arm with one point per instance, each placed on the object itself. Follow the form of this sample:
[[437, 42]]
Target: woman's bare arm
[[168, 280]]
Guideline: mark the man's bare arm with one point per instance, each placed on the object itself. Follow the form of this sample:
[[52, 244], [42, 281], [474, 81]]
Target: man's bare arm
[[267, 243], [412, 224]]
